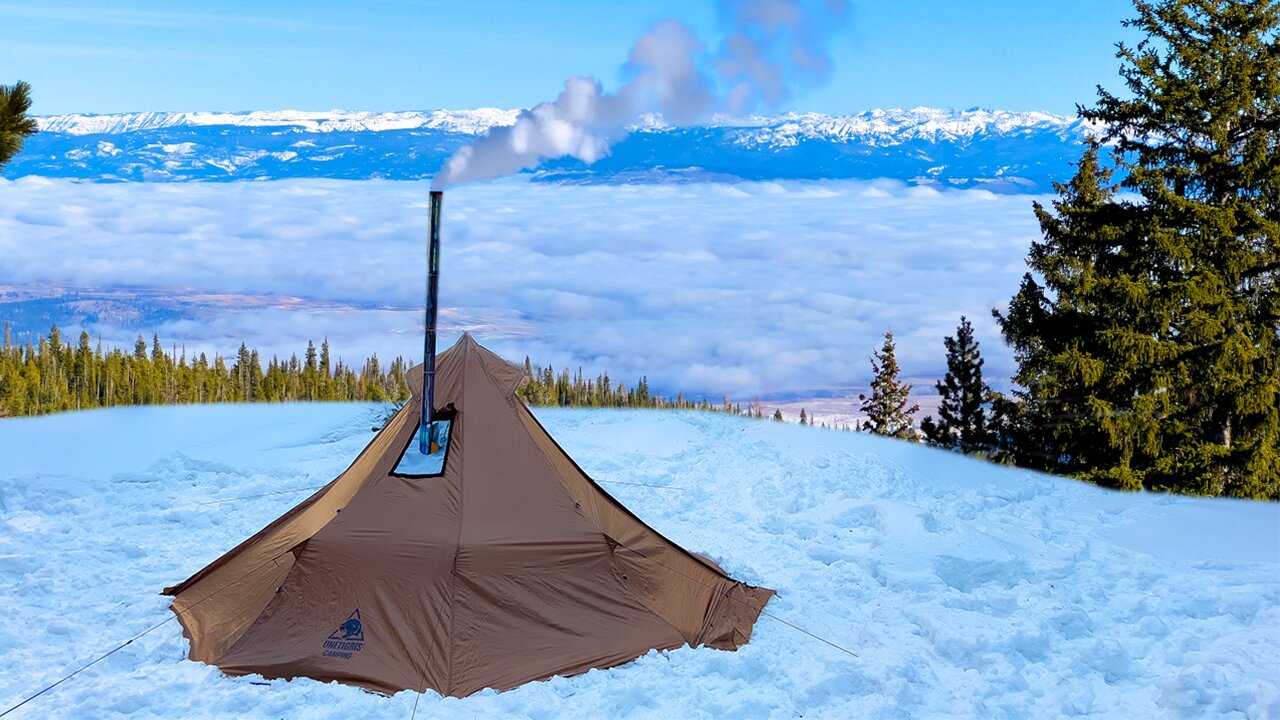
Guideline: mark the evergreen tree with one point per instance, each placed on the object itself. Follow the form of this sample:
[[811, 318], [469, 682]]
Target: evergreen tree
[[962, 419], [244, 386], [804, 417], [324, 391], [1085, 342], [310, 381], [254, 392], [777, 415], [371, 381], [887, 409], [84, 379], [15, 126], [1151, 355]]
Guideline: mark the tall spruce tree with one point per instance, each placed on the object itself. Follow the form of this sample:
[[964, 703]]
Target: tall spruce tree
[[962, 416], [887, 409], [15, 126], [1151, 355], [1084, 341]]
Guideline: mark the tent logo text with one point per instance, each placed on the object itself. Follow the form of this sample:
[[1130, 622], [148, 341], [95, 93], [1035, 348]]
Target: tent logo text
[[347, 640]]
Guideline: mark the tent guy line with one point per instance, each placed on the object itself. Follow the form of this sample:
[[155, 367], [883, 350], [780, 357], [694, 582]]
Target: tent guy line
[[317, 487], [171, 618], [764, 612], [127, 643], [799, 629], [250, 497], [656, 487], [493, 384], [88, 665]]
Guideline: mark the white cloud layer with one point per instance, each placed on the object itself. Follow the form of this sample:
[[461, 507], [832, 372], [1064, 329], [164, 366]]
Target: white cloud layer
[[770, 288]]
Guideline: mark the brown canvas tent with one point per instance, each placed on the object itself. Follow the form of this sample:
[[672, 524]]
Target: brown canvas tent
[[510, 565]]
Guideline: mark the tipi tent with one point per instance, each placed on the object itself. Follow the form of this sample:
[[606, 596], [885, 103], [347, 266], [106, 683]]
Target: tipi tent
[[507, 566]]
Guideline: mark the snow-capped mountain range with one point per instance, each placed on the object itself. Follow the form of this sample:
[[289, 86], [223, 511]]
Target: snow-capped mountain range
[[469, 122], [1001, 150]]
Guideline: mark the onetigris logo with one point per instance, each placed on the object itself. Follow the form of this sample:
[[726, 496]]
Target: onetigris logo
[[347, 640]]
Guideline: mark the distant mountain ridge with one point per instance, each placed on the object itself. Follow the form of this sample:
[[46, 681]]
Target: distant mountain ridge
[[472, 122], [1001, 150]]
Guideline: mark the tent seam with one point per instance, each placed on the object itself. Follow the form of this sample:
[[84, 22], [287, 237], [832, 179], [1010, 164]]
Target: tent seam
[[521, 405], [610, 543], [613, 562], [263, 536], [457, 545]]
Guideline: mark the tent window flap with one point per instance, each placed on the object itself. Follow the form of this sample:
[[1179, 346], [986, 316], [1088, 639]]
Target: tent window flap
[[414, 463]]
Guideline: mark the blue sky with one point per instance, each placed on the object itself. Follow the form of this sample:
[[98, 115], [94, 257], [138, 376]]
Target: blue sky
[[119, 56]]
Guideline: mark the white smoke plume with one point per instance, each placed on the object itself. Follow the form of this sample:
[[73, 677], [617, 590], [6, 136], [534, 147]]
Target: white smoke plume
[[770, 47]]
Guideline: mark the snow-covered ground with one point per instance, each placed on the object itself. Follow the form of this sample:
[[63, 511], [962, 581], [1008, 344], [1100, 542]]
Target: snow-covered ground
[[963, 589]]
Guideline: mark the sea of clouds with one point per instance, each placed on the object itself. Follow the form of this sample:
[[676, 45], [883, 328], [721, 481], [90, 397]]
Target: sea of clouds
[[748, 288]]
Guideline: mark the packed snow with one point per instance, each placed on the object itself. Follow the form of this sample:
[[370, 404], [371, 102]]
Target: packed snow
[[951, 587]]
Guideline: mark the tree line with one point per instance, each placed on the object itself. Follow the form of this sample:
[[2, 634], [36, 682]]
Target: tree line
[[52, 376], [544, 386]]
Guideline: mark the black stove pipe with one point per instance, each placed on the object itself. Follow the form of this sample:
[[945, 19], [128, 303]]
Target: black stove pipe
[[429, 349]]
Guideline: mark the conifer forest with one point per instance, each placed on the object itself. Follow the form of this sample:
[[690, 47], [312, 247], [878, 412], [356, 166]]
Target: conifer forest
[[53, 375]]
